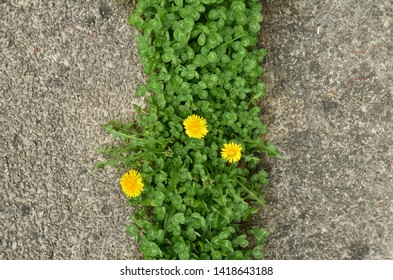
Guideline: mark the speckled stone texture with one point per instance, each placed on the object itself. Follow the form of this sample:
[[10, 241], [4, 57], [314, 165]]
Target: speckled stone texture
[[329, 75], [67, 68]]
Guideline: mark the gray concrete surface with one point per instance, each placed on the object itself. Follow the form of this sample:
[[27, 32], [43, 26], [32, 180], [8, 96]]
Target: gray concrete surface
[[329, 74], [67, 67]]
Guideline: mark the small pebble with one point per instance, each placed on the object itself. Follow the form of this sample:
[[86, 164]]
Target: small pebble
[[14, 245]]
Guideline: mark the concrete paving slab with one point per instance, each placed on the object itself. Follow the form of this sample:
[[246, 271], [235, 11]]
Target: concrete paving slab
[[330, 106], [66, 67]]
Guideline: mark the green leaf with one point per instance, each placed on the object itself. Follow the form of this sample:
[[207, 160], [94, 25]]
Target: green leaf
[[257, 253], [238, 255], [136, 21], [272, 150], [149, 248], [203, 94], [255, 110], [184, 255], [238, 6], [229, 118], [195, 144], [160, 163], [177, 201], [161, 177], [159, 197], [180, 35], [190, 53], [141, 90], [226, 246], [190, 233], [224, 234], [147, 169], [213, 15], [241, 18], [100, 165], [254, 26], [187, 24], [216, 255], [178, 218], [175, 229], [257, 96], [160, 212], [202, 39], [167, 57], [155, 24], [160, 235], [179, 3], [251, 194], [197, 221], [259, 234], [215, 242], [133, 231], [241, 241], [212, 57], [179, 247], [184, 175], [174, 180], [214, 39], [160, 99]]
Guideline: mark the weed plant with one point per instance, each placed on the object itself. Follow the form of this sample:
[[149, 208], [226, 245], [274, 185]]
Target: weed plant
[[202, 59]]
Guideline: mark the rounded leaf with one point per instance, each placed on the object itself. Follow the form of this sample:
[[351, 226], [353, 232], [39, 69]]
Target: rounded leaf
[[202, 39], [238, 6], [254, 26], [212, 57]]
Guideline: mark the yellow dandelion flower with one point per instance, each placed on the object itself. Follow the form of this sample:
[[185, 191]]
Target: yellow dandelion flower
[[131, 183], [196, 126], [231, 152]]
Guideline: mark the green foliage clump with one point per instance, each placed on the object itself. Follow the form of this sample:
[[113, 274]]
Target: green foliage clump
[[202, 58]]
